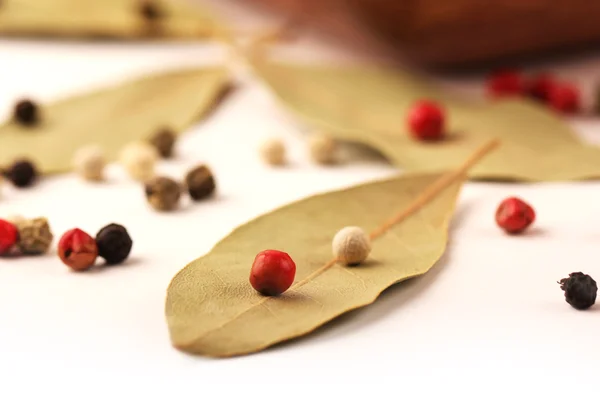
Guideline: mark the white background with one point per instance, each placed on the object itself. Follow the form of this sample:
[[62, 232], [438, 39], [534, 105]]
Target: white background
[[488, 318]]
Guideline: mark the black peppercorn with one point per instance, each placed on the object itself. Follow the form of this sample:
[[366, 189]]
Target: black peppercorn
[[163, 141], [580, 290], [114, 243], [22, 173], [200, 182], [26, 112], [150, 10]]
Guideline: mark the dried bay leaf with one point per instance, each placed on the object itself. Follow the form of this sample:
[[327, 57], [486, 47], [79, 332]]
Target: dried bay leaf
[[105, 18], [113, 116], [212, 309], [369, 105]]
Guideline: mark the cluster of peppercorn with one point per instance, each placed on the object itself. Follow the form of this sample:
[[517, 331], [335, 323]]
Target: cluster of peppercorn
[[426, 118], [322, 149], [21, 236], [273, 271], [79, 251], [164, 193], [559, 95], [514, 216]]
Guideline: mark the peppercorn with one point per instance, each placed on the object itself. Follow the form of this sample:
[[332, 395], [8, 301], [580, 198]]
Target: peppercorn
[[505, 83], [26, 112], [163, 193], [163, 141], [514, 215], [22, 173], [351, 245], [150, 10], [77, 250], [580, 290], [564, 97], [139, 160], [89, 163], [200, 182], [323, 149], [540, 86], [426, 120], [272, 151], [9, 235], [114, 243], [35, 236], [272, 272]]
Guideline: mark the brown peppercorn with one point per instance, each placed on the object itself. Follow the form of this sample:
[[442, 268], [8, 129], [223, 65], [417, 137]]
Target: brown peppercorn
[[22, 173], [26, 112], [163, 141], [35, 236], [200, 182], [163, 193], [150, 10]]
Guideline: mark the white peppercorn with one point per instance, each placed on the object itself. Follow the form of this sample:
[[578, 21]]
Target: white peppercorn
[[351, 245], [323, 149], [139, 160], [272, 151], [89, 163]]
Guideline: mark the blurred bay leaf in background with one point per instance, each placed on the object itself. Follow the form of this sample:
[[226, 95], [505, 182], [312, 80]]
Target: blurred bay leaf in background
[[112, 117], [119, 19], [369, 105]]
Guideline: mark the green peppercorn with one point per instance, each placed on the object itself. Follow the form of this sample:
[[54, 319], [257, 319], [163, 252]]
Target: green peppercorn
[[35, 236], [580, 290], [114, 243], [200, 182]]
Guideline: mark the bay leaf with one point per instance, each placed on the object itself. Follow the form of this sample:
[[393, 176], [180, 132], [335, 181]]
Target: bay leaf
[[212, 309], [105, 18], [113, 116], [368, 105]]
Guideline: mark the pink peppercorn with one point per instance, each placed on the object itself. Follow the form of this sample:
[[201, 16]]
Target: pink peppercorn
[[272, 272], [565, 98], [9, 235], [540, 86], [77, 250], [426, 120], [514, 215], [505, 83]]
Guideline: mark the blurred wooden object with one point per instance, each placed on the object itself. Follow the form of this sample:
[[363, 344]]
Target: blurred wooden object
[[453, 32]]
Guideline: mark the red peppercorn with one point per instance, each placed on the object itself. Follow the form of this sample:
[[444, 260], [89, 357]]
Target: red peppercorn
[[565, 98], [514, 215], [426, 120], [77, 250], [540, 86], [272, 272], [9, 234], [505, 83]]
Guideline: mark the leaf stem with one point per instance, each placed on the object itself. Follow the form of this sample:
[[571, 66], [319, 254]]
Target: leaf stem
[[423, 199], [434, 189]]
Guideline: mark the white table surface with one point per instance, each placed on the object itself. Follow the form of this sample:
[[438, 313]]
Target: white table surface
[[488, 318]]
